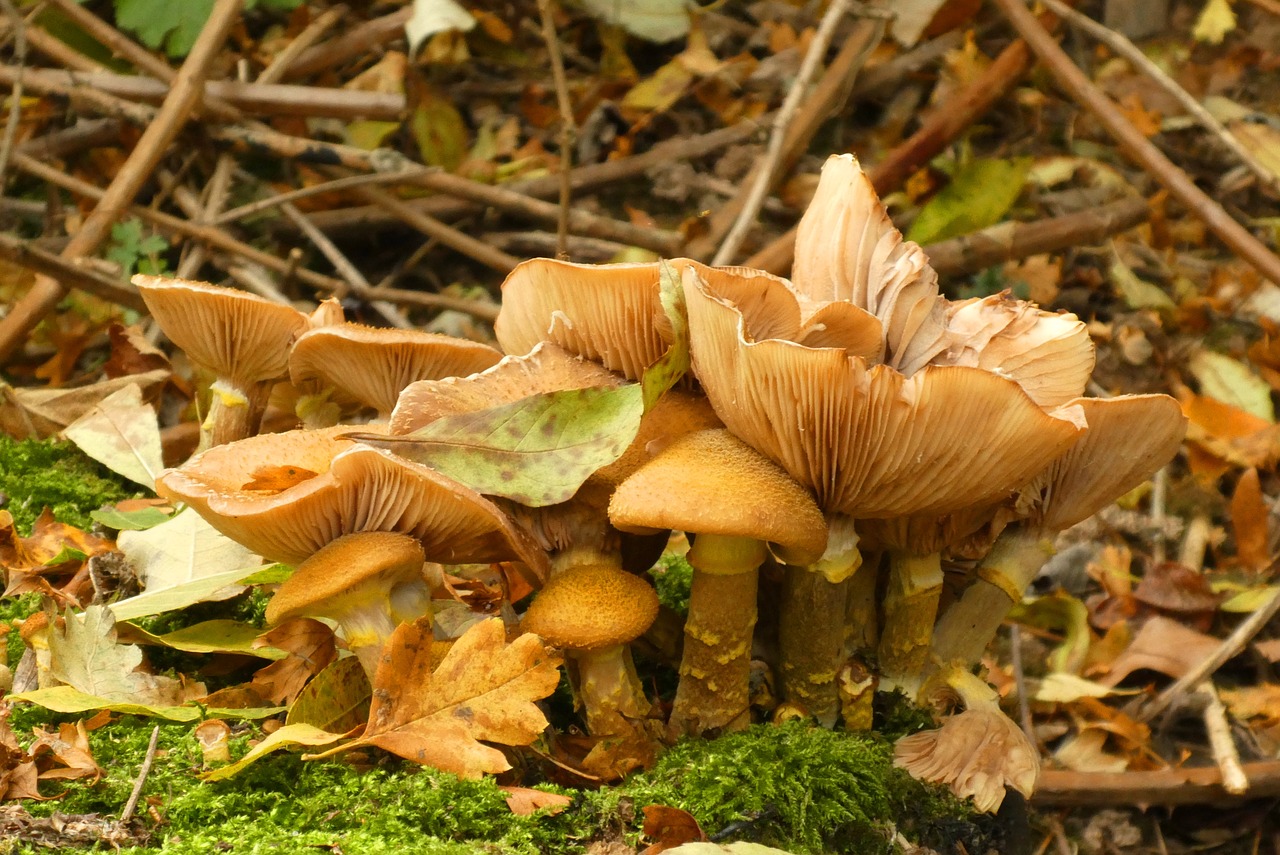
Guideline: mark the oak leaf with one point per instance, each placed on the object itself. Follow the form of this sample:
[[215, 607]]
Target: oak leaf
[[84, 655], [437, 710]]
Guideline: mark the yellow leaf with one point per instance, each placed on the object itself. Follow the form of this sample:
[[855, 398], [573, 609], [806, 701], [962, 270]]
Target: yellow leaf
[[1215, 21]]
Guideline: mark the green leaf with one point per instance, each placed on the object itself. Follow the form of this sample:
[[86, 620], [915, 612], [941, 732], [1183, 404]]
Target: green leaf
[[979, 195], [183, 595], [1137, 292], [65, 699], [674, 364], [337, 700], [1064, 613], [210, 636], [176, 25], [1232, 382], [439, 130], [139, 520], [289, 736]]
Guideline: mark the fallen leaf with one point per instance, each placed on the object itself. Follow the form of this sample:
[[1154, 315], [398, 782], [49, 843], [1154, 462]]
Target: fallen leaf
[[140, 519], [65, 755], [273, 479], [1138, 293], [185, 549], [524, 801], [1216, 19], [1063, 612], [337, 700], [44, 412], [50, 544], [669, 827], [131, 353], [310, 647], [437, 712], [1060, 688], [1177, 589], [84, 654], [123, 434], [1249, 522], [654, 20], [435, 16], [289, 736], [1254, 702], [1232, 382], [1163, 645], [210, 636], [66, 699], [980, 193], [204, 589]]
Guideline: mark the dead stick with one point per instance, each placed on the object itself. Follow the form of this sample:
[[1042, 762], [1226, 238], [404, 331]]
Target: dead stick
[[475, 308], [59, 51], [15, 97], [944, 125], [1137, 146], [767, 169], [1061, 788], [86, 133], [84, 98], [46, 292], [357, 42], [1006, 241], [132, 804], [314, 190], [26, 254], [830, 92], [280, 63], [568, 128]]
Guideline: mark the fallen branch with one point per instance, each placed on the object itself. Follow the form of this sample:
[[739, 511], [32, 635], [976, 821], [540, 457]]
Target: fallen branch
[[1135, 145], [568, 127], [26, 254], [1007, 241], [476, 308], [1061, 788]]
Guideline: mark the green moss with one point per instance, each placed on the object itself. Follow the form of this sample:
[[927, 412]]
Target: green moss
[[672, 576], [36, 474], [896, 716]]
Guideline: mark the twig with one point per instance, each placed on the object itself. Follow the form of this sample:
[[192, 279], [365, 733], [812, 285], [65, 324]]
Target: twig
[[1020, 683], [1058, 787], [1225, 753], [258, 138], [15, 97], [1125, 48], [1271, 6], [475, 308], [1230, 646], [85, 98], [1159, 499], [1137, 146], [59, 51], [216, 198], [279, 66], [86, 133], [357, 42], [531, 244], [944, 125], [46, 292], [568, 128], [831, 91], [27, 254], [132, 804], [765, 172], [1006, 241], [255, 280], [314, 190]]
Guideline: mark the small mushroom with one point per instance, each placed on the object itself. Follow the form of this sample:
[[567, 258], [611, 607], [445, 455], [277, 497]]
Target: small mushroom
[[594, 612], [368, 583], [375, 365], [736, 501], [978, 752], [241, 338]]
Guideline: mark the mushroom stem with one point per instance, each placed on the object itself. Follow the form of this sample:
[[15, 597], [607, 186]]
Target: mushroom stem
[[861, 623], [910, 608], [715, 670], [235, 412], [609, 689], [969, 625], [366, 628], [811, 624]]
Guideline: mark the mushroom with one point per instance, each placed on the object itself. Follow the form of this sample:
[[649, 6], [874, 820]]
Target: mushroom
[[870, 442], [593, 612], [368, 583], [375, 365], [736, 501], [1129, 438], [978, 752], [241, 338]]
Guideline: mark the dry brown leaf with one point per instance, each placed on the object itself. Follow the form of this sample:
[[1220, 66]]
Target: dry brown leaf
[[311, 648], [1249, 522], [437, 711], [1177, 589], [48, 539], [64, 755], [1162, 645], [1254, 702], [524, 801], [274, 479], [669, 827], [42, 412], [131, 353]]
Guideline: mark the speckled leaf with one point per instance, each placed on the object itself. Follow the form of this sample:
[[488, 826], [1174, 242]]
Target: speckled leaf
[[336, 700], [289, 736], [539, 450], [65, 699], [437, 712]]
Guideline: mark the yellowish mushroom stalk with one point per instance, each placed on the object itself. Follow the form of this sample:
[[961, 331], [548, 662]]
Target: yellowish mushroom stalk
[[235, 411], [978, 752], [910, 608]]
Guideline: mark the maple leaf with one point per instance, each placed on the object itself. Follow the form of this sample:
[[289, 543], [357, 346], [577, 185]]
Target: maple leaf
[[84, 655], [437, 712]]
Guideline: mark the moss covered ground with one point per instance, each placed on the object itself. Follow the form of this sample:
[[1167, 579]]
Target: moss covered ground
[[57, 475]]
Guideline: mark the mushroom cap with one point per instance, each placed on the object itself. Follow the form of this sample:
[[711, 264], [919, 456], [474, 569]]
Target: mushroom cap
[[677, 413], [847, 249], [711, 482], [592, 606], [868, 441], [377, 560], [355, 488], [374, 365], [236, 335], [545, 368], [1049, 354], [1129, 438]]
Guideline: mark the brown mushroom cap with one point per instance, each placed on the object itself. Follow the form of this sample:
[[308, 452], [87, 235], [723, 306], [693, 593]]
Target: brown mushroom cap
[[379, 560], [356, 488], [236, 335], [868, 441], [590, 606], [374, 365], [710, 482]]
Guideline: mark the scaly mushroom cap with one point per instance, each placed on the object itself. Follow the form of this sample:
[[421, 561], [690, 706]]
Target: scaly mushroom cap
[[236, 335], [677, 413], [1050, 355], [590, 607], [355, 488], [847, 249], [868, 441], [1129, 438], [375, 365], [343, 570], [545, 368], [710, 482]]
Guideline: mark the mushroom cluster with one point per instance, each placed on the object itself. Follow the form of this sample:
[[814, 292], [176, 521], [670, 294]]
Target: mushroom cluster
[[843, 433]]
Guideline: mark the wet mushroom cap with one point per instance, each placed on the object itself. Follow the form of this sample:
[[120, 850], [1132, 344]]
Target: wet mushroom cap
[[374, 365], [380, 559], [590, 607], [734, 491], [237, 335]]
